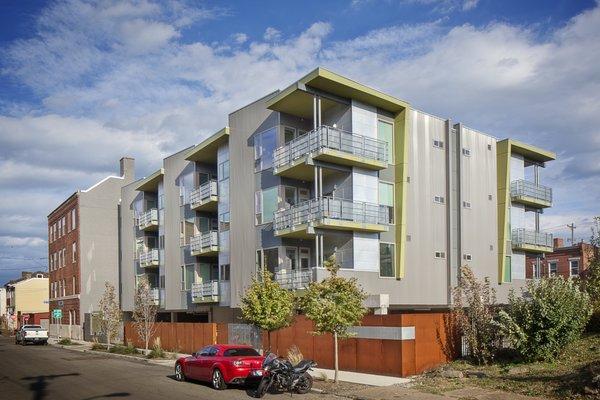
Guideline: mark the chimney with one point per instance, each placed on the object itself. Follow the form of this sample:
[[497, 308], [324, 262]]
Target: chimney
[[127, 168], [558, 243]]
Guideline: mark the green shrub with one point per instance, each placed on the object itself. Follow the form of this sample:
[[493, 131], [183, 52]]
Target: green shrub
[[120, 349], [98, 346], [157, 350], [552, 313], [65, 342]]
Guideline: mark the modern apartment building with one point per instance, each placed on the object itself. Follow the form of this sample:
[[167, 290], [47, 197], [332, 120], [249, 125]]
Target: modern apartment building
[[326, 167], [83, 251], [566, 261]]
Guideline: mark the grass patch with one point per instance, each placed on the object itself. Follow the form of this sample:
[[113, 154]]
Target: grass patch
[[120, 349], [570, 376], [99, 347], [67, 342]]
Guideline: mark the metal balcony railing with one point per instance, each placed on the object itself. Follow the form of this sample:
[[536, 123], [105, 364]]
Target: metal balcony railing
[[331, 138], [332, 208], [203, 193], [295, 279], [523, 237], [155, 295], [204, 241], [205, 289], [149, 257], [148, 218], [523, 188]]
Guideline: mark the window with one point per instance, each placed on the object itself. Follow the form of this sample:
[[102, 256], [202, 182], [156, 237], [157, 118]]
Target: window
[[304, 257], [74, 251], [187, 276], [574, 267], [290, 195], [552, 268], [489, 146], [224, 222], [489, 197], [386, 198], [224, 170], [291, 258], [386, 260], [467, 257], [438, 144], [64, 257], [241, 352], [73, 219], [466, 204], [466, 152], [264, 147], [440, 254], [267, 258], [385, 132], [507, 269], [289, 134], [439, 199], [73, 285], [265, 205], [224, 273], [51, 262]]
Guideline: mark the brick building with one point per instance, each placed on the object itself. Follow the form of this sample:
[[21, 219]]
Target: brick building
[[567, 261], [83, 251]]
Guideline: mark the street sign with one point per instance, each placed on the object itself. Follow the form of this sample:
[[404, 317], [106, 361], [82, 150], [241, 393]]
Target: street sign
[[57, 313]]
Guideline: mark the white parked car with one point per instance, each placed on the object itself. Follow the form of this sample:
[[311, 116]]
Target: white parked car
[[31, 334]]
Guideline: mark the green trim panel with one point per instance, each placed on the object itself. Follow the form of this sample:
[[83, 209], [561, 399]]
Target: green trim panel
[[401, 145], [206, 151], [150, 183]]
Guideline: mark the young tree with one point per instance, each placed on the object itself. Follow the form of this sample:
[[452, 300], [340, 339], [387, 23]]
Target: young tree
[[144, 312], [109, 314], [473, 311], [334, 305], [267, 305], [590, 278]]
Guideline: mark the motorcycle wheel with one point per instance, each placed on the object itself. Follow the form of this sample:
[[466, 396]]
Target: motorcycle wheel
[[304, 384], [263, 386]]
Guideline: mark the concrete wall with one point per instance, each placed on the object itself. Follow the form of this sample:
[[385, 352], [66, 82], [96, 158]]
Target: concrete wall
[[98, 240]]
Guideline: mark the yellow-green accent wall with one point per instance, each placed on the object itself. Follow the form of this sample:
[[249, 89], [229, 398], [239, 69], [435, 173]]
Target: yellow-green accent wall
[[503, 171], [401, 145]]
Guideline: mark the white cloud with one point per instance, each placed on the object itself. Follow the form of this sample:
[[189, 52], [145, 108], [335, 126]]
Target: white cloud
[[11, 241], [469, 4], [501, 79], [240, 38]]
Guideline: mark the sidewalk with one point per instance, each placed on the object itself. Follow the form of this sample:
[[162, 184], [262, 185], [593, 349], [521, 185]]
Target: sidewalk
[[357, 377]]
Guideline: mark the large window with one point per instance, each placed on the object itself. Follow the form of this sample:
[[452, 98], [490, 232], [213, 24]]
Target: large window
[[187, 276], [385, 132], [265, 204], [267, 258], [386, 260], [224, 170], [574, 267], [552, 268], [264, 147], [386, 198]]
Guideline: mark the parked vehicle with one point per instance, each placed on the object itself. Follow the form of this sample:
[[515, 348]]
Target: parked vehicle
[[221, 365], [281, 375], [31, 334]]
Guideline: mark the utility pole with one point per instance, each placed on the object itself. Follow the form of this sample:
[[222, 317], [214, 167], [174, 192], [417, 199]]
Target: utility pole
[[572, 228]]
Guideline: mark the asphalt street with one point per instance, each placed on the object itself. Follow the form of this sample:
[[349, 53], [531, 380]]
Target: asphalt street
[[46, 372]]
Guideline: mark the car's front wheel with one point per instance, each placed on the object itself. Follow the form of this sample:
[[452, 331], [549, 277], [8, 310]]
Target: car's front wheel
[[179, 375], [218, 382]]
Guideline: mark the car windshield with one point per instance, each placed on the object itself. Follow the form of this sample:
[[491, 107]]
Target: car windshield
[[31, 327], [240, 352]]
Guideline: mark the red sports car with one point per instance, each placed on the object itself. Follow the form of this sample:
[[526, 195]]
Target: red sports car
[[221, 364]]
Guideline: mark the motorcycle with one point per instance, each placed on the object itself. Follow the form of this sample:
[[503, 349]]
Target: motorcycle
[[280, 374]]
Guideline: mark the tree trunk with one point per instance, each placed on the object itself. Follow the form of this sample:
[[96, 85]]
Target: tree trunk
[[107, 341], [335, 356]]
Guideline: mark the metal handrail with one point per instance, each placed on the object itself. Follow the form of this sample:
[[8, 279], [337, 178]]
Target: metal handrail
[[203, 192], [522, 236], [204, 240], [333, 208], [204, 289], [522, 187], [155, 295], [149, 256], [295, 279], [149, 217], [331, 138]]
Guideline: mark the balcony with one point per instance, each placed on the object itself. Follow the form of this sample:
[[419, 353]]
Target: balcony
[[205, 244], [295, 279], [205, 292], [301, 220], [327, 144], [155, 295], [149, 258], [205, 197], [531, 241], [531, 194], [148, 221]]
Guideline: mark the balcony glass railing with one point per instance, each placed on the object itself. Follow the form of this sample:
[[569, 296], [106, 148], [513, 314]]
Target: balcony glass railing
[[204, 241], [203, 193], [326, 137], [205, 289], [295, 279], [331, 208], [523, 237], [148, 218], [149, 257], [523, 188]]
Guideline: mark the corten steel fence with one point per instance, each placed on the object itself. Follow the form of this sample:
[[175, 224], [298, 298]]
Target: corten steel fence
[[331, 208], [327, 137], [183, 337]]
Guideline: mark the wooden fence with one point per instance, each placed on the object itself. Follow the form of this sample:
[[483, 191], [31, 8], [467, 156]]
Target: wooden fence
[[430, 347]]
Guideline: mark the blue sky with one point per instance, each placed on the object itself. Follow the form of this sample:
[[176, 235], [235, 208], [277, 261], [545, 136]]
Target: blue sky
[[78, 77]]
